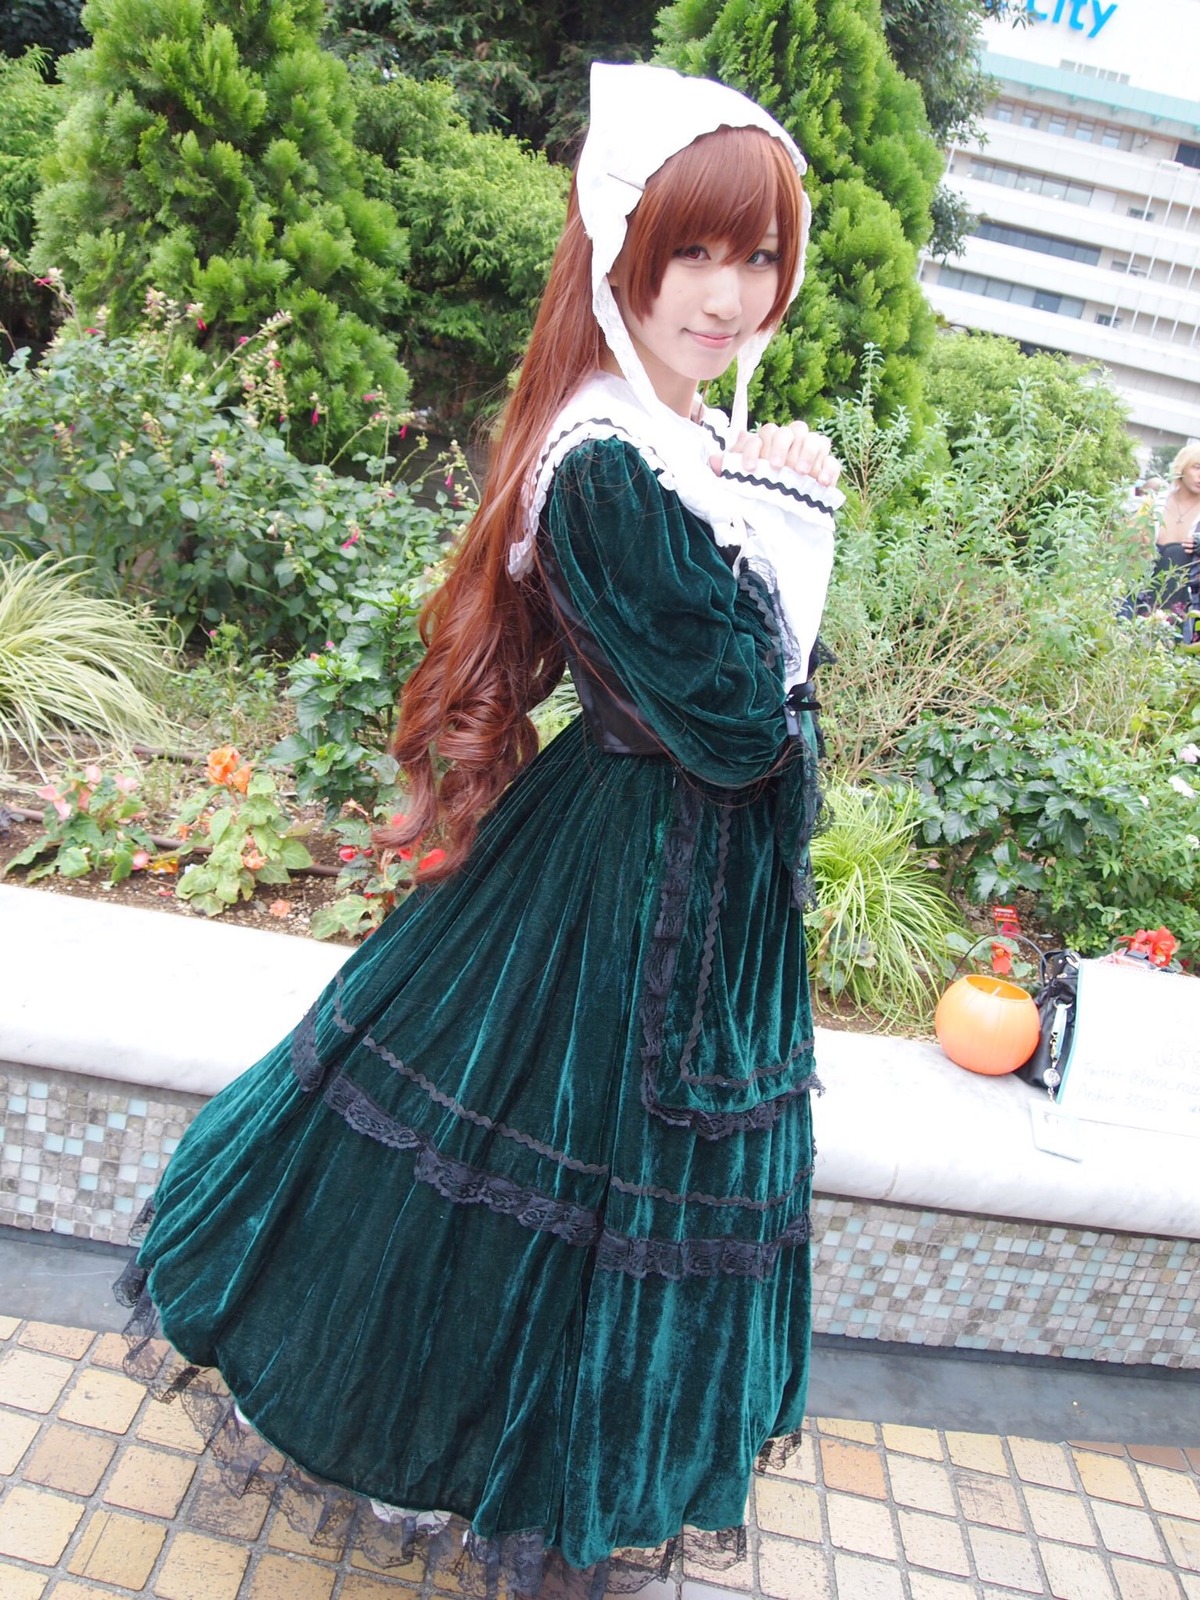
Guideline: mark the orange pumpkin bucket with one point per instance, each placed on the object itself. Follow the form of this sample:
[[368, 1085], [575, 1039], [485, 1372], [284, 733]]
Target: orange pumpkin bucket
[[986, 1024]]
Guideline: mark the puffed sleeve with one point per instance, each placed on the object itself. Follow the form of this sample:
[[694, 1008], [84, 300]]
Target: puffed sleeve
[[694, 652]]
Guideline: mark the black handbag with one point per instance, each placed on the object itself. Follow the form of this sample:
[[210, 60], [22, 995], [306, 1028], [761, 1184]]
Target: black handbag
[[1056, 1000]]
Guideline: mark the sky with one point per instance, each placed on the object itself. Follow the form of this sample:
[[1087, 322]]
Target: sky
[[1157, 42]]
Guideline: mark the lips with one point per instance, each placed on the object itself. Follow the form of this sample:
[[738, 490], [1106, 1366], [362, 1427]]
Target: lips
[[712, 341]]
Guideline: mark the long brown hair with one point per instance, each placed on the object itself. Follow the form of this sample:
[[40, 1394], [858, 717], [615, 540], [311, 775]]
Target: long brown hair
[[494, 647]]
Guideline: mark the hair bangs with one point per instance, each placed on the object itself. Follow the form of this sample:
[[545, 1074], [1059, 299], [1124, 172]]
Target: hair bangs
[[726, 187]]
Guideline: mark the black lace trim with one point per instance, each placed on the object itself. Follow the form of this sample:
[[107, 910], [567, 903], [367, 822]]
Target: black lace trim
[[456, 1107], [778, 488], [650, 1191], [307, 1066], [698, 1258], [458, 1182]]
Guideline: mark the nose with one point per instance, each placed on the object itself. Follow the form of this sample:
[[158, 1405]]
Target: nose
[[724, 297]]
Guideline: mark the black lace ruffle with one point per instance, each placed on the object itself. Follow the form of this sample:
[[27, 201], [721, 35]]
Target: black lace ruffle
[[698, 1258]]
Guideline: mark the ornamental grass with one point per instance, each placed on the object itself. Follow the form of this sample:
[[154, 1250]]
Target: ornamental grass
[[75, 662]]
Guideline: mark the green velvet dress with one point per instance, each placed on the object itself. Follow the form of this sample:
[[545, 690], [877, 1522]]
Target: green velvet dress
[[515, 1224]]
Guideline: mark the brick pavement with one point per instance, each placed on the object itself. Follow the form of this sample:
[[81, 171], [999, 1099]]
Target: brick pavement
[[108, 1493]]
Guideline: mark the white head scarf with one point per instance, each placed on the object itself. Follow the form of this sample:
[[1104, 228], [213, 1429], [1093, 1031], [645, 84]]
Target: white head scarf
[[780, 523], [640, 118]]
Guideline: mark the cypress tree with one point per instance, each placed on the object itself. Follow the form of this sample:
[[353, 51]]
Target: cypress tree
[[208, 154], [822, 68]]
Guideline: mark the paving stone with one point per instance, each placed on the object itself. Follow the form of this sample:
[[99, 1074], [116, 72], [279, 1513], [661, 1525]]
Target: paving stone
[[690, 1590], [924, 1586], [9, 1326], [861, 1526], [105, 1400], [117, 1549], [31, 1381], [1193, 1460], [55, 1341], [69, 1589], [738, 1575], [934, 1542], [921, 1484], [35, 1525], [852, 1468], [1059, 1516], [979, 1452], [1095, 1444], [170, 1425], [866, 1580], [1038, 1462], [1006, 1559], [1183, 1541], [1172, 1493], [284, 1578], [789, 1508], [216, 1509], [847, 1428], [16, 1435], [1127, 1531], [110, 1351], [989, 1500], [413, 1571], [355, 1588], [1075, 1574], [801, 1463], [788, 1570], [913, 1441], [1191, 1586], [1158, 1456], [1106, 1478], [152, 1481], [304, 1527], [70, 1459], [200, 1568], [1136, 1582], [16, 1583]]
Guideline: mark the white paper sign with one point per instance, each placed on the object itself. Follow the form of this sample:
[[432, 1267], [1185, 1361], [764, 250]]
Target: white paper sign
[[1136, 1057]]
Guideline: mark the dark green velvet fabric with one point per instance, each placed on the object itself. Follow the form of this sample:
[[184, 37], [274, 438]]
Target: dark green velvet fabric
[[515, 1224]]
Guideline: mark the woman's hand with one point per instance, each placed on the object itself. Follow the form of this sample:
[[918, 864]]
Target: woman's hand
[[792, 445]]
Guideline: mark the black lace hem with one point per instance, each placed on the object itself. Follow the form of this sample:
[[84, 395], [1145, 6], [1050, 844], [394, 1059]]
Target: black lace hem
[[676, 1259]]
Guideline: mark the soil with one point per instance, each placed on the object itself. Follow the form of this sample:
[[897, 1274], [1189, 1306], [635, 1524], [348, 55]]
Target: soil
[[149, 892]]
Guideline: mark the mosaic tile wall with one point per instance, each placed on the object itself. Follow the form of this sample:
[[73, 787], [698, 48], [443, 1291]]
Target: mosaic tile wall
[[80, 1155]]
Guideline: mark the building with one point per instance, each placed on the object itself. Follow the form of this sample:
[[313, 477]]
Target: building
[[1086, 186]]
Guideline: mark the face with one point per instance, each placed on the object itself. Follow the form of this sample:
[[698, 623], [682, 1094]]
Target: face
[[708, 306], [1190, 477]]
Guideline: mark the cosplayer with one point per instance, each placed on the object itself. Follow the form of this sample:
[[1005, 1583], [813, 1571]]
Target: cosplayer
[[515, 1225]]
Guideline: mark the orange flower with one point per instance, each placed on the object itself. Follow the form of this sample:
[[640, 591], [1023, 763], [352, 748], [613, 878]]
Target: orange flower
[[280, 908], [240, 780], [252, 857], [184, 830], [222, 763]]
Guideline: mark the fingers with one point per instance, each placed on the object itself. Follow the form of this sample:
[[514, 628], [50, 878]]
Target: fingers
[[793, 445]]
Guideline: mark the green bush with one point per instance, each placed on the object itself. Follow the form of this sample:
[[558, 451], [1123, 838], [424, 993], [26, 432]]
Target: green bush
[[483, 216], [73, 662], [879, 936], [29, 109], [207, 153], [112, 454]]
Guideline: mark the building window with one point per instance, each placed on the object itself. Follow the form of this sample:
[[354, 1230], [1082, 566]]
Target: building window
[[1188, 154], [1021, 294], [1086, 131], [1030, 118], [1057, 124], [1046, 243], [1032, 182], [1123, 264], [1108, 319], [1002, 111], [1107, 73], [1110, 138], [1141, 214]]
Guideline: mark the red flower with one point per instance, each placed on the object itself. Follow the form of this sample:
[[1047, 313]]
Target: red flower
[[1001, 960], [433, 859], [348, 853]]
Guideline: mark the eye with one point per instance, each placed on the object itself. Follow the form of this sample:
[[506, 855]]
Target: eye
[[763, 258], [692, 252]]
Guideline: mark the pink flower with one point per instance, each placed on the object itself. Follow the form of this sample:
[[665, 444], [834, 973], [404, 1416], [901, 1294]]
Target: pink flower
[[404, 430], [329, 645], [316, 416], [245, 339], [141, 860], [92, 773], [94, 331], [449, 480], [202, 325], [50, 793], [349, 543], [367, 398], [125, 784]]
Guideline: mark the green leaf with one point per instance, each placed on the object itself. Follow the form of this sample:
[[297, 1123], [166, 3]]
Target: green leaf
[[219, 825], [99, 481], [236, 566], [36, 512]]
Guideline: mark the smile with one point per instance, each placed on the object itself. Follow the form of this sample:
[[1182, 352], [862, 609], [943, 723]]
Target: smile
[[712, 341]]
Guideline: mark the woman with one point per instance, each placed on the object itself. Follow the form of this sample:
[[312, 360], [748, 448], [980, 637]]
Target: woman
[[1176, 515], [515, 1225]]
